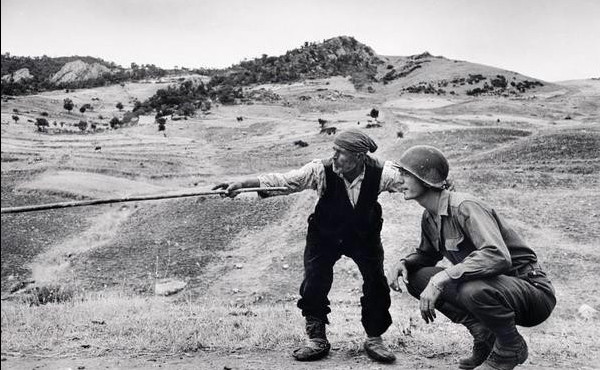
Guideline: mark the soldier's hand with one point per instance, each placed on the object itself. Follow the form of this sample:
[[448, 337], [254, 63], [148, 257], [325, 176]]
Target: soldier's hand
[[398, 270], [427, 301], [430, 295]]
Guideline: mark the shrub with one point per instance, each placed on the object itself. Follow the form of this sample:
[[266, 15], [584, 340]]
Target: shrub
[[49, 294], [161, 123], [68, 104], [115, 123], [41, 124], [82, 125], [499, 81]]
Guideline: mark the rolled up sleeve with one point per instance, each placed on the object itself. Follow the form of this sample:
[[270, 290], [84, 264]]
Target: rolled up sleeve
[[310, 176]]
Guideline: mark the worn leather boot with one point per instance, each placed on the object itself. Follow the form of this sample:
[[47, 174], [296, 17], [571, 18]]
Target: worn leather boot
[[506, 356], [483, 341], [378, 351], [317, 346]]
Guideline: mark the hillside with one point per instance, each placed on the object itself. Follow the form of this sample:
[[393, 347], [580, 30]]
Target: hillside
[[533, 154], [341, 56], [29, 75]]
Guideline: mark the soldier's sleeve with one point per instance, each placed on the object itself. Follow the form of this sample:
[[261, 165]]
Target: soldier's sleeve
[[426, 254], [491, 256]]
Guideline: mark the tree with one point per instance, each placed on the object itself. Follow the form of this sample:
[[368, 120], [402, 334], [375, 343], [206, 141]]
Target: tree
[[82, 109], [374, 113], [115, 122], [119, 106], [82, 125], [68, 104], [15, 118], [161, 123], [41, 124]]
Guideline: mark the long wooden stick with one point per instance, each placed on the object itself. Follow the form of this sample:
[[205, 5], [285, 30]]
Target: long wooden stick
[[91, 202]]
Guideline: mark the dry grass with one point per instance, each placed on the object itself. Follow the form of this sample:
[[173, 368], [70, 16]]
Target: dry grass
[[543, 179], [116, 324]]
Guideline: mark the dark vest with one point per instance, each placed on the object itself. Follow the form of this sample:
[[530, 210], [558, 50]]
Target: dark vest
[[336, 220]]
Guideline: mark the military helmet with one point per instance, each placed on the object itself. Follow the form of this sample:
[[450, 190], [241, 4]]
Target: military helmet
[[426, 163]]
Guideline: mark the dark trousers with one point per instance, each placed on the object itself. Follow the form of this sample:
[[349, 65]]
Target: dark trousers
[[497, 302], [319, 258]]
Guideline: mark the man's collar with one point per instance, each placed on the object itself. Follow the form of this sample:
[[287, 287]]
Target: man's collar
[[443, 203], [360, 177]]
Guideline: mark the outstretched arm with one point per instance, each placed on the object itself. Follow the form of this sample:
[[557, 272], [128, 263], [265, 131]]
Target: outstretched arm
[[231, 187]]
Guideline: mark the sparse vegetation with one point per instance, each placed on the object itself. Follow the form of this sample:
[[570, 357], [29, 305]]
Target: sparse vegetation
[[115, 123], [68, 104], [82, 125], [161, 123], [41, 124]]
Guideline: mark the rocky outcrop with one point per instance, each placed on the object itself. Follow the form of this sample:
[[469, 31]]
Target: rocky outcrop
[[78, 71], [17, 76]]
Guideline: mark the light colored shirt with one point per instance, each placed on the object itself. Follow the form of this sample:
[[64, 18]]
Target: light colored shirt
[[312, 176]]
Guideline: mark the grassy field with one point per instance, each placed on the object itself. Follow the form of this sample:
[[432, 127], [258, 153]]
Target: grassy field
[[241, 259]]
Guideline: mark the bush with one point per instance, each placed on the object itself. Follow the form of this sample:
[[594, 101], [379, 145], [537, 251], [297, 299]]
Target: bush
[[68, 104], [49, 294], [82, 125], [41, 124], [161, 123], [115, 123]]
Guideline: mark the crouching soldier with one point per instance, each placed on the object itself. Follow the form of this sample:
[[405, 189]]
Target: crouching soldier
[[347, 221], [495, 281]]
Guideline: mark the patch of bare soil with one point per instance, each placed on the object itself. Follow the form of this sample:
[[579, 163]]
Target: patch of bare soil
[[542, 175]]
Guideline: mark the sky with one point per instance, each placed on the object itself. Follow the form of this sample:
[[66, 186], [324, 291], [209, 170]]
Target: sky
[[553, 40]]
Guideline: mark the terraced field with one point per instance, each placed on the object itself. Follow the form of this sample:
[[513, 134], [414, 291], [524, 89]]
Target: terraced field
[[241, 259]]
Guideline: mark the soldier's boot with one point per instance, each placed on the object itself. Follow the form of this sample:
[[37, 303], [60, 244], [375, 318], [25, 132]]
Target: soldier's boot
[[483, 341], [378, 351], [506, 355], [317, 346]]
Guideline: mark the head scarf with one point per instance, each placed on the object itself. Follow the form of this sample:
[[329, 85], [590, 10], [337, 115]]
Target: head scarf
[[355, 141]]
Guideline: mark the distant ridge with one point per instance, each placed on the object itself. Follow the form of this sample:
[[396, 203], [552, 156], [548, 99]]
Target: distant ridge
[[338, 56]]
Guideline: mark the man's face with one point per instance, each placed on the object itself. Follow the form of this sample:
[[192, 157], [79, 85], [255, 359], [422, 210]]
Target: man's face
[[412, 188], [344, 161]]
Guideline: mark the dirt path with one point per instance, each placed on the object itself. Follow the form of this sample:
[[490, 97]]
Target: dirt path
[[255, 360]]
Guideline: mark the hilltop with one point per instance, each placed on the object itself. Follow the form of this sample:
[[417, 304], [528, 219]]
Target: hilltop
[[341, 56]]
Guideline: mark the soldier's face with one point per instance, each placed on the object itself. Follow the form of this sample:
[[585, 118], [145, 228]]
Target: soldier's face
[[344, 161], [412, 188]]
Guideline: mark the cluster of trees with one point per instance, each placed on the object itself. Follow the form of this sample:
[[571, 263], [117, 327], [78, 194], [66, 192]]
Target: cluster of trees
[[340, 56], [43, 68], [183, 100]]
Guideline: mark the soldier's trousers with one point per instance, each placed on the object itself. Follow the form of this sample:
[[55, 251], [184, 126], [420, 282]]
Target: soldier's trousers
[[497, 302]]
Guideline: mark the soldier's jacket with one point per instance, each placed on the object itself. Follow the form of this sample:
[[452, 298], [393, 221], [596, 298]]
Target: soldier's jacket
[[470, 234]]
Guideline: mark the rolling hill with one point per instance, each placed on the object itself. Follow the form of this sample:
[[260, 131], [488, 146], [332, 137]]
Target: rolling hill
[[532, 153]]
